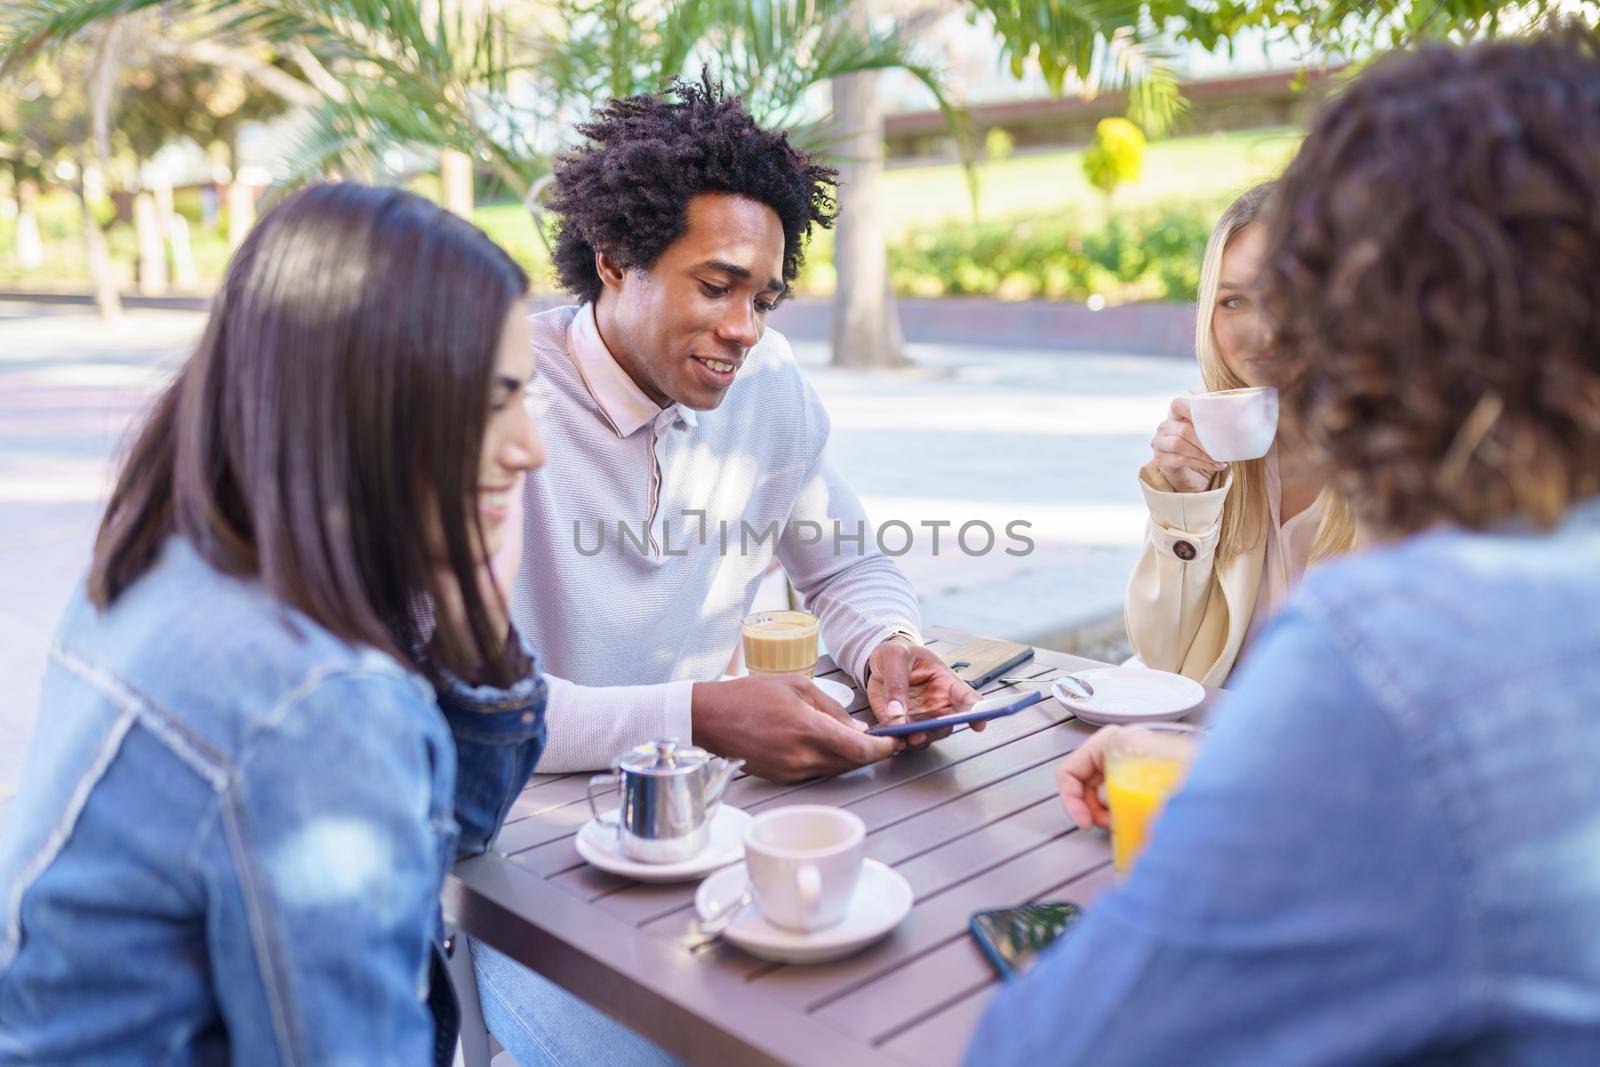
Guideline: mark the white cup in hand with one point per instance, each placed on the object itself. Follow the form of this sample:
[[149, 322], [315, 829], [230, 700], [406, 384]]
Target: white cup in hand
[[1235, 424], [804, 862]]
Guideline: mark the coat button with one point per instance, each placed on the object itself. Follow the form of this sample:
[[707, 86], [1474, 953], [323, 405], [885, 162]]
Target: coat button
[[1183, 550]]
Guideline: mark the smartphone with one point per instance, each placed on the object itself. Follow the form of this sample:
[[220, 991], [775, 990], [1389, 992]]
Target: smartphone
[[992, 708], [1013, 937]]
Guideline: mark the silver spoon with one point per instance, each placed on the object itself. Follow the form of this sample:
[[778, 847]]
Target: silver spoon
[[708, 930], [1084, 688]]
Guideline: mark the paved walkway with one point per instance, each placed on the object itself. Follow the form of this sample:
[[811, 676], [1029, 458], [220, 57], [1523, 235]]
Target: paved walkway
[[975, 434]]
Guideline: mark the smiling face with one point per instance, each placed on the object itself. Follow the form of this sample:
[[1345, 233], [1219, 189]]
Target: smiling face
[[1236, 323], [682, 327], [511, 443]]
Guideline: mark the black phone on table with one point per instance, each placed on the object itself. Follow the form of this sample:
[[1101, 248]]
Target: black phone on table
[[1013, 937]]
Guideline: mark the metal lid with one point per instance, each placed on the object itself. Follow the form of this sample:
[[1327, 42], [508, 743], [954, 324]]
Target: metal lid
[[663, 758]]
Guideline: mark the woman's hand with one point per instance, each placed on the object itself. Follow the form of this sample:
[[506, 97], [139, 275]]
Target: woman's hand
[[1081, 780], [1177, 453]]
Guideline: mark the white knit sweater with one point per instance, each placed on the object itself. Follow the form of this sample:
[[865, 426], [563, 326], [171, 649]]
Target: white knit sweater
[[658, 606]]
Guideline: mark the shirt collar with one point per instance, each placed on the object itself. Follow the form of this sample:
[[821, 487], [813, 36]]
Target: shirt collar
[[621, 400]]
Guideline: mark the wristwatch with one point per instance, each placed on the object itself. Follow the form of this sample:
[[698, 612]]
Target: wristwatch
[[902, 635]]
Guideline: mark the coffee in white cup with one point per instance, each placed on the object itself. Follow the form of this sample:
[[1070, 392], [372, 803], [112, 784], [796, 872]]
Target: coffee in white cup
[[1235, 424], [804, 862]]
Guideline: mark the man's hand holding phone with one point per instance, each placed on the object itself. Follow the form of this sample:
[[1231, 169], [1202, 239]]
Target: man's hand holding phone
[[907, 683]]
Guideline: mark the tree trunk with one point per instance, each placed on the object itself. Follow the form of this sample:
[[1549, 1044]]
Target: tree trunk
[[182, 255], [864, 331], [30, 248], [241, 211], [455, 182], [455, 166], [96, 254], [91, 176], [175, 231], [240, 199], [152, 249]]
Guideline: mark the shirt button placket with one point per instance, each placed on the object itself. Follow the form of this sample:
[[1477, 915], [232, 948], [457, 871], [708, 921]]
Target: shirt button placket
[[658, 449]]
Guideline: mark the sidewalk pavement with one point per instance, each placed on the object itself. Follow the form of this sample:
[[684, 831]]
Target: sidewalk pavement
[[973, 434]]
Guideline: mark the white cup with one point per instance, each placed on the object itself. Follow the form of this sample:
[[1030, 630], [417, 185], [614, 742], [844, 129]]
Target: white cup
[[804, 863], [1235, 423]]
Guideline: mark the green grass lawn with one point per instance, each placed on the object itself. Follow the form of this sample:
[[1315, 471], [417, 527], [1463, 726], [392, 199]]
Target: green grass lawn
[[1204, 170], [1201, 169]]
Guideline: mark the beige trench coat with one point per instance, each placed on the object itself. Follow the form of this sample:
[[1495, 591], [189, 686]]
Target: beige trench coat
[[1184, 613]]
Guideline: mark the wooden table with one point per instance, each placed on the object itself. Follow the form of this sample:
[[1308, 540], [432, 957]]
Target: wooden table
[[973, 822]]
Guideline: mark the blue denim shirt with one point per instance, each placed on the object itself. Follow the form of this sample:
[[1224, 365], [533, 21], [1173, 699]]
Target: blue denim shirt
[[232, 832], [1389, 848]]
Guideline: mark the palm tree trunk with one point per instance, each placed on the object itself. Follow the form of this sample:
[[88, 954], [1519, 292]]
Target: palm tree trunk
[[239, 198], [455, 166], [152, 249], [175, 230], [30, 247], [241, 211], [865, 333], [102, 94], [188, 277], [95, 252], [455, 182]]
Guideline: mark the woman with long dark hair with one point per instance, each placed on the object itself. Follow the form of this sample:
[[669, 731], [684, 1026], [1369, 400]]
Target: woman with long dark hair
[[287, 692]]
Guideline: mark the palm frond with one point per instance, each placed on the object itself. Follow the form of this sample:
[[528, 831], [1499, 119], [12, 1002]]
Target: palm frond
[[1062, 36], [1144, 71], [31, 27], [325, 140], [1103, 44]]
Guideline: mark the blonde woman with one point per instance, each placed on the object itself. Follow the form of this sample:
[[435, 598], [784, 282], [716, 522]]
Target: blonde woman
[[1225, 542]]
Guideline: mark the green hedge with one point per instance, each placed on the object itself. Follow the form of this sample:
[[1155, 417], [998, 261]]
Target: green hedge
[[1149, 255]]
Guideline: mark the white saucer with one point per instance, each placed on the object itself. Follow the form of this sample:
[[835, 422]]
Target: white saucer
[[597, 843], [1126, 695], [841, 693], [882, 899]]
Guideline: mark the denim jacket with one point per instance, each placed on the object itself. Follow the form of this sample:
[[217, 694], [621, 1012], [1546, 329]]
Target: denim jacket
[[1388, 850], [232, 833]]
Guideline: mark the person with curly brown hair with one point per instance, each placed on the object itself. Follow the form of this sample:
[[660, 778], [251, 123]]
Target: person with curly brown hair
[[1386, 851], [689, 452]]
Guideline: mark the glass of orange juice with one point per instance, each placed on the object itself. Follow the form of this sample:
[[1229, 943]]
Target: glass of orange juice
[[1144, 766]]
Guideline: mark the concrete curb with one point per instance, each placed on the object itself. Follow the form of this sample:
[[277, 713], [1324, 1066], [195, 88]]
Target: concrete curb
[[1156, 329], [1147, 329], [129, 300]]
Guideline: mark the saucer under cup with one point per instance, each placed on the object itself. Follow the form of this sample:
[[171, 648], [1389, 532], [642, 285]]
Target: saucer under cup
[[1235, 424], [841, 693], [881, 901], [597, 844], [1127, 695]]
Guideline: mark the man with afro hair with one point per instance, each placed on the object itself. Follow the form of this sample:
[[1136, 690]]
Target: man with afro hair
[[687, 451]]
